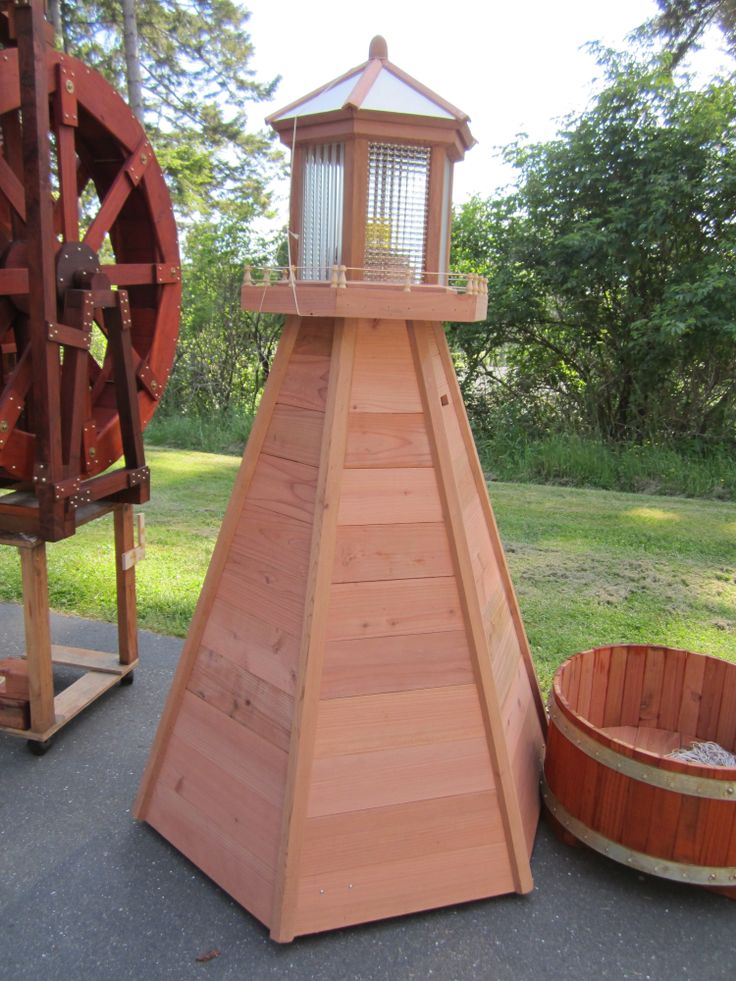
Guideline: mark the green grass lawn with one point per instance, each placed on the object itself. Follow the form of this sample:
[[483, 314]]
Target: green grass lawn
[[590, 567]]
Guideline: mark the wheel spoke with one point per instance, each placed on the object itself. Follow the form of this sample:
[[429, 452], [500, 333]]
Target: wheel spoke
[[12, 188], [126, 179]]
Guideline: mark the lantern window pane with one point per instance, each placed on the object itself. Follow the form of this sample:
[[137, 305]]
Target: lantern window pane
[[322, 210], [396, 220]]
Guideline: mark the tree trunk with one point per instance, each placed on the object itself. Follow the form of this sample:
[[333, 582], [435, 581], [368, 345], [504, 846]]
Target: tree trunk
[[132, 59], [54, 16]]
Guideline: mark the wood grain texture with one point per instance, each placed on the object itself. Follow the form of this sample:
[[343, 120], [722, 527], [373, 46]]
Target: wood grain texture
[[190, 830], [403, 886], [281, 540], [244, 754], [384, 379], [400, 495], [395, 776], [385, 834], [314, 631], [305, 385], [295, 433], [424, 343], [265, 649], [285, 487], [364, 553], [232, 807], [402, 663], [369, 723], [202, 613], [385, 609], [382, 439], [456, 399], [243, 696]]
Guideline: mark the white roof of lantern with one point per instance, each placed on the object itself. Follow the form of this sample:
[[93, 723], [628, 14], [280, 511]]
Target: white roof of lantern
[[376, 85]]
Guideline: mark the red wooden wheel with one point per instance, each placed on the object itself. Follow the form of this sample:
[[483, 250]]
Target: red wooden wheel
[[111, 213]]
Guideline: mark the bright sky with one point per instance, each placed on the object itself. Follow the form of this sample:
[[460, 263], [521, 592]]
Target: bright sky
[[512, 67]]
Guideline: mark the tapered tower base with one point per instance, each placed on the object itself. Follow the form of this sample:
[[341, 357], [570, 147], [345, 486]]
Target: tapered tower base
[[355, 730]]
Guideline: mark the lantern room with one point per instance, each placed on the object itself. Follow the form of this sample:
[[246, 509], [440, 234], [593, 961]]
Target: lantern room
[[372, 159]]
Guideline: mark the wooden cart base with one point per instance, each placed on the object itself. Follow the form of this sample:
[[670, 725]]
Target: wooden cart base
[[102, 670]]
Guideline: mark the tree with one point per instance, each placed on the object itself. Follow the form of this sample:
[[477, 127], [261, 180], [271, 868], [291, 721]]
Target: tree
[[612, 269], [194, 88], [682, 23], [224, 353]]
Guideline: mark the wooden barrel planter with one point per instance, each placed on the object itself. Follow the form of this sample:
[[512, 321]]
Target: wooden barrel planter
[[615, 714]]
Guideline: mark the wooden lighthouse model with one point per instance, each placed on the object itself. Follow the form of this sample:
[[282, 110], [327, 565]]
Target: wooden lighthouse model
[[355, 729]]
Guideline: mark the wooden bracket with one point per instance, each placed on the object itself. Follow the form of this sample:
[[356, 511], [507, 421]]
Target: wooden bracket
[[135, 555]]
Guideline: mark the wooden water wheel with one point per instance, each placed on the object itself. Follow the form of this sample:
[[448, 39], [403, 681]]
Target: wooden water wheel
[[89, 284]]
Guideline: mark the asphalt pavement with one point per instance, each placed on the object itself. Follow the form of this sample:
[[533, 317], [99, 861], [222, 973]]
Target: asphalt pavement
[[88, 893]]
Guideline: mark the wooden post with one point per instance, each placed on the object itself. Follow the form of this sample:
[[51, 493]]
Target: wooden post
[[125, 578], [38, 635]]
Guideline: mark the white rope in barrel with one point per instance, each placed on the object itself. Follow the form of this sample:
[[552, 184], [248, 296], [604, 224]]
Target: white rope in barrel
[[709, 754]]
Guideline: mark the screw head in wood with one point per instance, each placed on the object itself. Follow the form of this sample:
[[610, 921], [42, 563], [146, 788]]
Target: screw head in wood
[[69, 85], [4, 426]]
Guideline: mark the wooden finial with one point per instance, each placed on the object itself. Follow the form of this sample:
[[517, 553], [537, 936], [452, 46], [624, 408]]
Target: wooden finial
[[378, 48]]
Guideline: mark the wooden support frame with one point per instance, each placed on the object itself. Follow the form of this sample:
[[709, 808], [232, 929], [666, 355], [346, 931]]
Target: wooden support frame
[[102, 670]]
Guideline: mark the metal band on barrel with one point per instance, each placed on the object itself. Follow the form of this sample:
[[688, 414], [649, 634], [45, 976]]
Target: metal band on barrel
[[700, 875], [680, 783]]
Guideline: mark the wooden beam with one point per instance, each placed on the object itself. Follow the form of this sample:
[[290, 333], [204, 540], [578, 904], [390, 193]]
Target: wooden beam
[[482, 488], [421, 338], [314, 631], [217, 563], [38, 636]]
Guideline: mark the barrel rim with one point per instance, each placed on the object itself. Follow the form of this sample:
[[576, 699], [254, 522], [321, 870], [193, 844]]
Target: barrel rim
[[626, 749]]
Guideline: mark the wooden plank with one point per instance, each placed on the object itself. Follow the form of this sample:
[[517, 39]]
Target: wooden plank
[[191, 831], [726, 731], [278, 539], [264, 590], [246, 756], [385, 834], [692, 689], [405, 886], [669, 706], [587, 665], [366, 553], [378, 664], [237, 811], [295, 434], [526, 762], [265, 649], [81, 693], [385, 609], [601, 666], [615, 687], [78, 657], [651, 692], [244, 697], [384, 379], [368, 723], [401, 495], [423, 344], [305, 386], [127, 615], [633, 682], [714, 676], [37, 635], [217, 563], [284, 487], [381, 439], [456, 400], [395, 776], [313, 637]]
